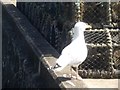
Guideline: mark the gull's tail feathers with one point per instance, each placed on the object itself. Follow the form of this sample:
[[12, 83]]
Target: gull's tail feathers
[[61, 63], [57, 67]]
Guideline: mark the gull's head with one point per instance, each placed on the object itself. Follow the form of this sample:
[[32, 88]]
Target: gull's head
[[78, 29], [81, 26]]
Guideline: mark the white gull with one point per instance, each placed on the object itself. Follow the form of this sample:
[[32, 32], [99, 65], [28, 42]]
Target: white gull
[[76, 52]]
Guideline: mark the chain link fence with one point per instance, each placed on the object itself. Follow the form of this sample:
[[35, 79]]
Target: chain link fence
[[100, 14], [55, 20]]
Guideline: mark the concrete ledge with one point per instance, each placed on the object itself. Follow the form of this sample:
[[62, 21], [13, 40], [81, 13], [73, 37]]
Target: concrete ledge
[[47, 56]]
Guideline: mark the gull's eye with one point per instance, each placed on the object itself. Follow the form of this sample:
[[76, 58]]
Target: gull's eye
[[71, 32]]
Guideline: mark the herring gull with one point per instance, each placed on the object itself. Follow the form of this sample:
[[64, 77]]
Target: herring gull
[[76, 52]]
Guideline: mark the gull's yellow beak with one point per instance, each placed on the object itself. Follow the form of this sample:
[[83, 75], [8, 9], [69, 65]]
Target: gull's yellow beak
[[88, 26]]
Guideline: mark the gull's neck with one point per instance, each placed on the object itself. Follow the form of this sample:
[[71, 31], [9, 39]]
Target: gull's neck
[[79, 36]]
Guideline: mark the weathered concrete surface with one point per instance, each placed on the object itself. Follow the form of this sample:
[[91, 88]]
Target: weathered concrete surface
[[49, 56], [101, 83], [112, 84], [9, 1]]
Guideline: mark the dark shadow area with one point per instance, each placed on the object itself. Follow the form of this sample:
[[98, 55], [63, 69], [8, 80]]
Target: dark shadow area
[[19, 62], [62, 79], [33, 37]]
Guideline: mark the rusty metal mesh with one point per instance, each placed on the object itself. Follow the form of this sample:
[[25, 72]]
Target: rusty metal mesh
[[99, 14], [100, 55]]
